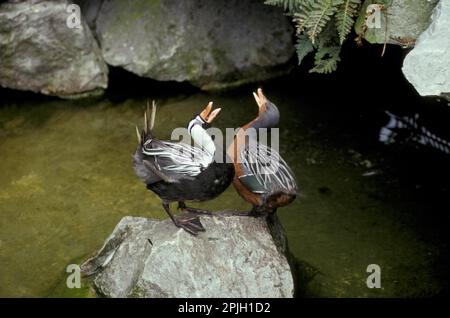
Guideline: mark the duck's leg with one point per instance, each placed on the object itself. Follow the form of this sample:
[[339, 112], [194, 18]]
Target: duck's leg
[[254, 212], [191, 224], [182, 206]]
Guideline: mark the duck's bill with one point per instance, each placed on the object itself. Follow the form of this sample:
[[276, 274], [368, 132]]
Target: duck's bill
[[213, 115], [205, 113], [208, 114], [259, 97]]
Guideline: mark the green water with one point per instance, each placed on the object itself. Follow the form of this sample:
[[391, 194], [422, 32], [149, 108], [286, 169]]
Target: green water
[[66, 180]]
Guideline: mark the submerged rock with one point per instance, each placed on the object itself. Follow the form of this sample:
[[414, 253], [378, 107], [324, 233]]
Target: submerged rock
[[427, 66], [235, 257], [211, 44], [39, 52]]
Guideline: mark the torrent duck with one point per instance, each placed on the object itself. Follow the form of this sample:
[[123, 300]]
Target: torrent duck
[[262, 177], [178, 172]]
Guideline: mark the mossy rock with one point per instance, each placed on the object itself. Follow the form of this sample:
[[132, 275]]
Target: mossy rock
[[211, 44], [40, 53], [401, 22]]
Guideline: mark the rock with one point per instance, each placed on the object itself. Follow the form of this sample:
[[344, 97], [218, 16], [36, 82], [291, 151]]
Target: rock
[[406, 20], [39, 52], [235, 257], [427, 66], [90, 9], [211, 44]]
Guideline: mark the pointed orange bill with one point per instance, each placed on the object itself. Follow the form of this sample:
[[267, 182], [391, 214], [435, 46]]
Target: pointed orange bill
[[205, 113], [260, 98], [213, 115]]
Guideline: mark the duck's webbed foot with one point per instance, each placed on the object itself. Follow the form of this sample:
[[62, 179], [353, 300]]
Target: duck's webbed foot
[[182, 206], [189, 223]]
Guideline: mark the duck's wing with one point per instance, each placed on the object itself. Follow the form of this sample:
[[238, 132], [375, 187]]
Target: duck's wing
[[170, 161], [265, 172]]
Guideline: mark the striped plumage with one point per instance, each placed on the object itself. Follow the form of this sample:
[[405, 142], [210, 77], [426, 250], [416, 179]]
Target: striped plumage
[[262, 177], [271, 172], [178, 160], [179, 172]]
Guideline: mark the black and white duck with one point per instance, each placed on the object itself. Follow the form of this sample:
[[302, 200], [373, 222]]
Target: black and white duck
[[178, 172]]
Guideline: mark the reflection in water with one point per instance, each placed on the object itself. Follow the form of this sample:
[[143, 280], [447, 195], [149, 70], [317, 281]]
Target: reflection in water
[[67, 179], [407, 129]]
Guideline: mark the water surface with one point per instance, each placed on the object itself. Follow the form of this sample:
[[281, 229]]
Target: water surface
[[66, 180]]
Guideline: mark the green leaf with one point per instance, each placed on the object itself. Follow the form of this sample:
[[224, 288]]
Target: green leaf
[[302, 15], [288, 5], [322, 12], [345, 18], [303, 47], [321, 25], [326, 60]]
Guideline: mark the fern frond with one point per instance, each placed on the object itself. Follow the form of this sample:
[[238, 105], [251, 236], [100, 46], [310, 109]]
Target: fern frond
[[345, 18], [321, 25], [303, 47], [302, 16], [322, 12], [287, 5], [326, 60], [328, 36]]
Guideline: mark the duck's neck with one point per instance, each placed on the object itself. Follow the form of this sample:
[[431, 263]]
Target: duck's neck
[[203, 139], [268, 117]]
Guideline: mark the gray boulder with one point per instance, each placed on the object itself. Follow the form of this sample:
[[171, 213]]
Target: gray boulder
[[39, 52], [235, 257], [427, 66], [211, 44], [401, 23]]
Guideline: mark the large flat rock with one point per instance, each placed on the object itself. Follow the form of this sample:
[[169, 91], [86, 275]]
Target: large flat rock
[[235, 257]]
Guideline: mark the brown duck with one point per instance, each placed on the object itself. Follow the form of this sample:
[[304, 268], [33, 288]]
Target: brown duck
[[262, 177]]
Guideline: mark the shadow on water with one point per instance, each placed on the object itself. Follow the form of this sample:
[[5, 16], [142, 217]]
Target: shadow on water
[[66, 177]]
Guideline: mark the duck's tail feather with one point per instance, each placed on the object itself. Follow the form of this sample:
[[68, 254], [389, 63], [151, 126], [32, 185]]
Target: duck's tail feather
[[153, 115], [149, 123], [139, 135]]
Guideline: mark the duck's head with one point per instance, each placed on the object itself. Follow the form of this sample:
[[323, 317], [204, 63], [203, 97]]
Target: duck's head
[[268, 115], [205, 118], [198, 125]]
